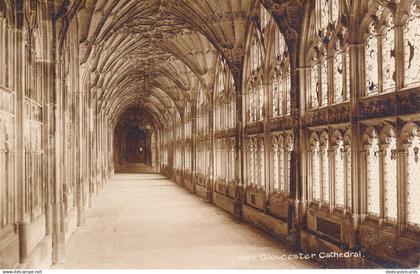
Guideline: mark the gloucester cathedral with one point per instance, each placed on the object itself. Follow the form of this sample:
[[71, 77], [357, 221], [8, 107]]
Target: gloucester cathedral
[[209, 133]]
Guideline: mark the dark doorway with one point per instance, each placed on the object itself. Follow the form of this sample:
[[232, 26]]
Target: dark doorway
[[138, 146], [133, 139]]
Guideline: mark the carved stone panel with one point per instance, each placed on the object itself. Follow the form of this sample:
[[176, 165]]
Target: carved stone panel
[[408, 102], [254, 128], [378, 106], [281, 123], [332, 115]]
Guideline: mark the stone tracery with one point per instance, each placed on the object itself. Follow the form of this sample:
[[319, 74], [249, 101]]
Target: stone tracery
[[305, 117]]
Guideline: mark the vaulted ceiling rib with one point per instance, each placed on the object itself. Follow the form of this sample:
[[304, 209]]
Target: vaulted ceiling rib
[[149, 48]]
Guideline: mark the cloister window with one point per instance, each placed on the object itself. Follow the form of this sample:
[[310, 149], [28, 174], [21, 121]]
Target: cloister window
[[315, 168], [187, 159], [224, 114], [388, 70], [261, 166], [217, 158], [341, 164], [203, 157], [324, 80], [347, 65], [315, 102], [338, 67], [260, 94], [380, 56], [281, 79], [264, 20], [288, 92], [256, 56], [251, 105], [231, 159], [412, 47], [203, 148], [200, 158], [390, 175], [188, 124], [202, 115], [277, 96], [232, 102], [330, 67], [380, 69], [319, 81], [327, 12], [371, 63], [251, 161], [224, 159], [348, 175], [220, 99], [335, 11], [381, 159], [276, 161], [372, 161], [330, 168], [323, 11], [256, 162], [256, 102], [339, 167], [325, 168], [288, 148], [282, 147], [254, 81]]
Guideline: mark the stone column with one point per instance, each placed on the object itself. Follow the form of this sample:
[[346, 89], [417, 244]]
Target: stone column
[[55, 100], [239, 151], [297, 190], [18, 65], [210, 137], [304, 100], [356, 86], [78, 120], [267, 141], [183, 119], [193, 144], [48, 85], [402, 155]]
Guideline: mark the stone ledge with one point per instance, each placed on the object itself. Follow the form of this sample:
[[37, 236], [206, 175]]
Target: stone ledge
[[269, 224], [388, 248], [311, 243], [224, 202], [201, 191]]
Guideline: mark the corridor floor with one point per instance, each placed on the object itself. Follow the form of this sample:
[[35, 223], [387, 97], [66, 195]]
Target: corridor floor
[[148, 221]]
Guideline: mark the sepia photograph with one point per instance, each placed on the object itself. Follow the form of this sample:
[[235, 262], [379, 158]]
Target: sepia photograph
[[223, 135]]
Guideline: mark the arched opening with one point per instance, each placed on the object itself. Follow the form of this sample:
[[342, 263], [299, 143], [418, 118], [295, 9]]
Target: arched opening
[[138, 149], [133, 139]]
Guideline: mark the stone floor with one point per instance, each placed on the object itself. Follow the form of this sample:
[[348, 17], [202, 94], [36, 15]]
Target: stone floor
[[135, 168], [147, 221]]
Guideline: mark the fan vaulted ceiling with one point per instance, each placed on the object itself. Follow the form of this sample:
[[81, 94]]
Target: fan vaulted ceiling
[[154, 52]]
